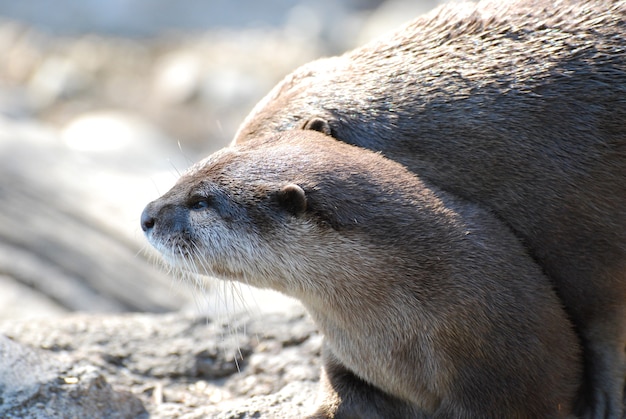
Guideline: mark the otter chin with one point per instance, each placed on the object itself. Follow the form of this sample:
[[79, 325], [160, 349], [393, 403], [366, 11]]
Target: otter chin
[[428, 304]]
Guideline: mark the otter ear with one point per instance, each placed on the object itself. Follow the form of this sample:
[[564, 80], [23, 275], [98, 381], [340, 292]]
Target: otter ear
[[318, 124], [292, 198]]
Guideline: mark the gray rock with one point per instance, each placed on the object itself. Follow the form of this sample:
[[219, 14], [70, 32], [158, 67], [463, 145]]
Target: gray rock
[[66, 225], [57, 79], [40, 385], [171, 365]]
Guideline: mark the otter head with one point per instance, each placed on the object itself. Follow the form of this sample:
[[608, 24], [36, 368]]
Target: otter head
[[265, 212], [222, 218], [324, 96], [297, 102]]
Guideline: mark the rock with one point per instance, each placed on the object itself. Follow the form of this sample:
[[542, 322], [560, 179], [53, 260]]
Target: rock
[[56, 79], [171, 365], [177, 78], [67, 224], [31, 304], [120, 141], [40, 385]]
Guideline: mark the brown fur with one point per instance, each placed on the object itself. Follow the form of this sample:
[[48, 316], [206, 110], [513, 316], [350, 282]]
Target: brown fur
[[518, 106], [428, 304]]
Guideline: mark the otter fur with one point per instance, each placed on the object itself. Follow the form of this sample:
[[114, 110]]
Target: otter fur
[[517, 106], [429, 305]]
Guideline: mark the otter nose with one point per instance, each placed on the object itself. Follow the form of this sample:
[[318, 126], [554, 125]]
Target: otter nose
[[171, 218], [147, 219]]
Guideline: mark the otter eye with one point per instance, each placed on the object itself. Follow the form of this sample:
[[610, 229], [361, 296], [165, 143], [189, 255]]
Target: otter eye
[[198, 203]]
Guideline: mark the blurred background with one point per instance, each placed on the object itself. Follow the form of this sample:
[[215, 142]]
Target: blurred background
[[104, 103]]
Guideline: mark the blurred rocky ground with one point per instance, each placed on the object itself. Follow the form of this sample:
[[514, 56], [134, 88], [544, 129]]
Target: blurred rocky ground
[[159, 366], [102, 105]]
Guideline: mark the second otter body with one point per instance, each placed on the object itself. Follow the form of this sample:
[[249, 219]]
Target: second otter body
[[519, 106], [428, 304]]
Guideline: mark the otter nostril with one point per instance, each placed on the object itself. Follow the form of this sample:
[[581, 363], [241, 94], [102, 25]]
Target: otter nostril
[[147, 221]]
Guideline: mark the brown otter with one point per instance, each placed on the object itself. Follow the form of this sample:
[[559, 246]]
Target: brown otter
[[428, 304], [517, 106]]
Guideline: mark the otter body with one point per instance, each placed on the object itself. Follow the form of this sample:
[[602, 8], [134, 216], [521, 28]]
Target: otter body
[[428, 304], [517, 106]]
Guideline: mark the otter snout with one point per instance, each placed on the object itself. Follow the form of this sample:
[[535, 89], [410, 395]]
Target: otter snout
[[167, 218], [148, 219]]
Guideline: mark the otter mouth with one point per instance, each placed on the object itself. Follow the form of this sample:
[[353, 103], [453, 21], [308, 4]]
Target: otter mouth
[[184, 255], [178, 253]]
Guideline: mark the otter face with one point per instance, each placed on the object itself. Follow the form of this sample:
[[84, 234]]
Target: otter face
[[183, 221], [212, 223]]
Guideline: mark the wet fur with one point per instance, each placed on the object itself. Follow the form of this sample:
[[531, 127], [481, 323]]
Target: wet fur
[[518, 106], [429, 306]]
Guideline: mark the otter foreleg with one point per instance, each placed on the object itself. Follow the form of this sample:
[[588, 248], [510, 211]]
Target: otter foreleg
[[345, 396]]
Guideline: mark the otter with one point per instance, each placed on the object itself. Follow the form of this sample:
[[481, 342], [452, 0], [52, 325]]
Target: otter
[[428, 304], [517, 106]]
